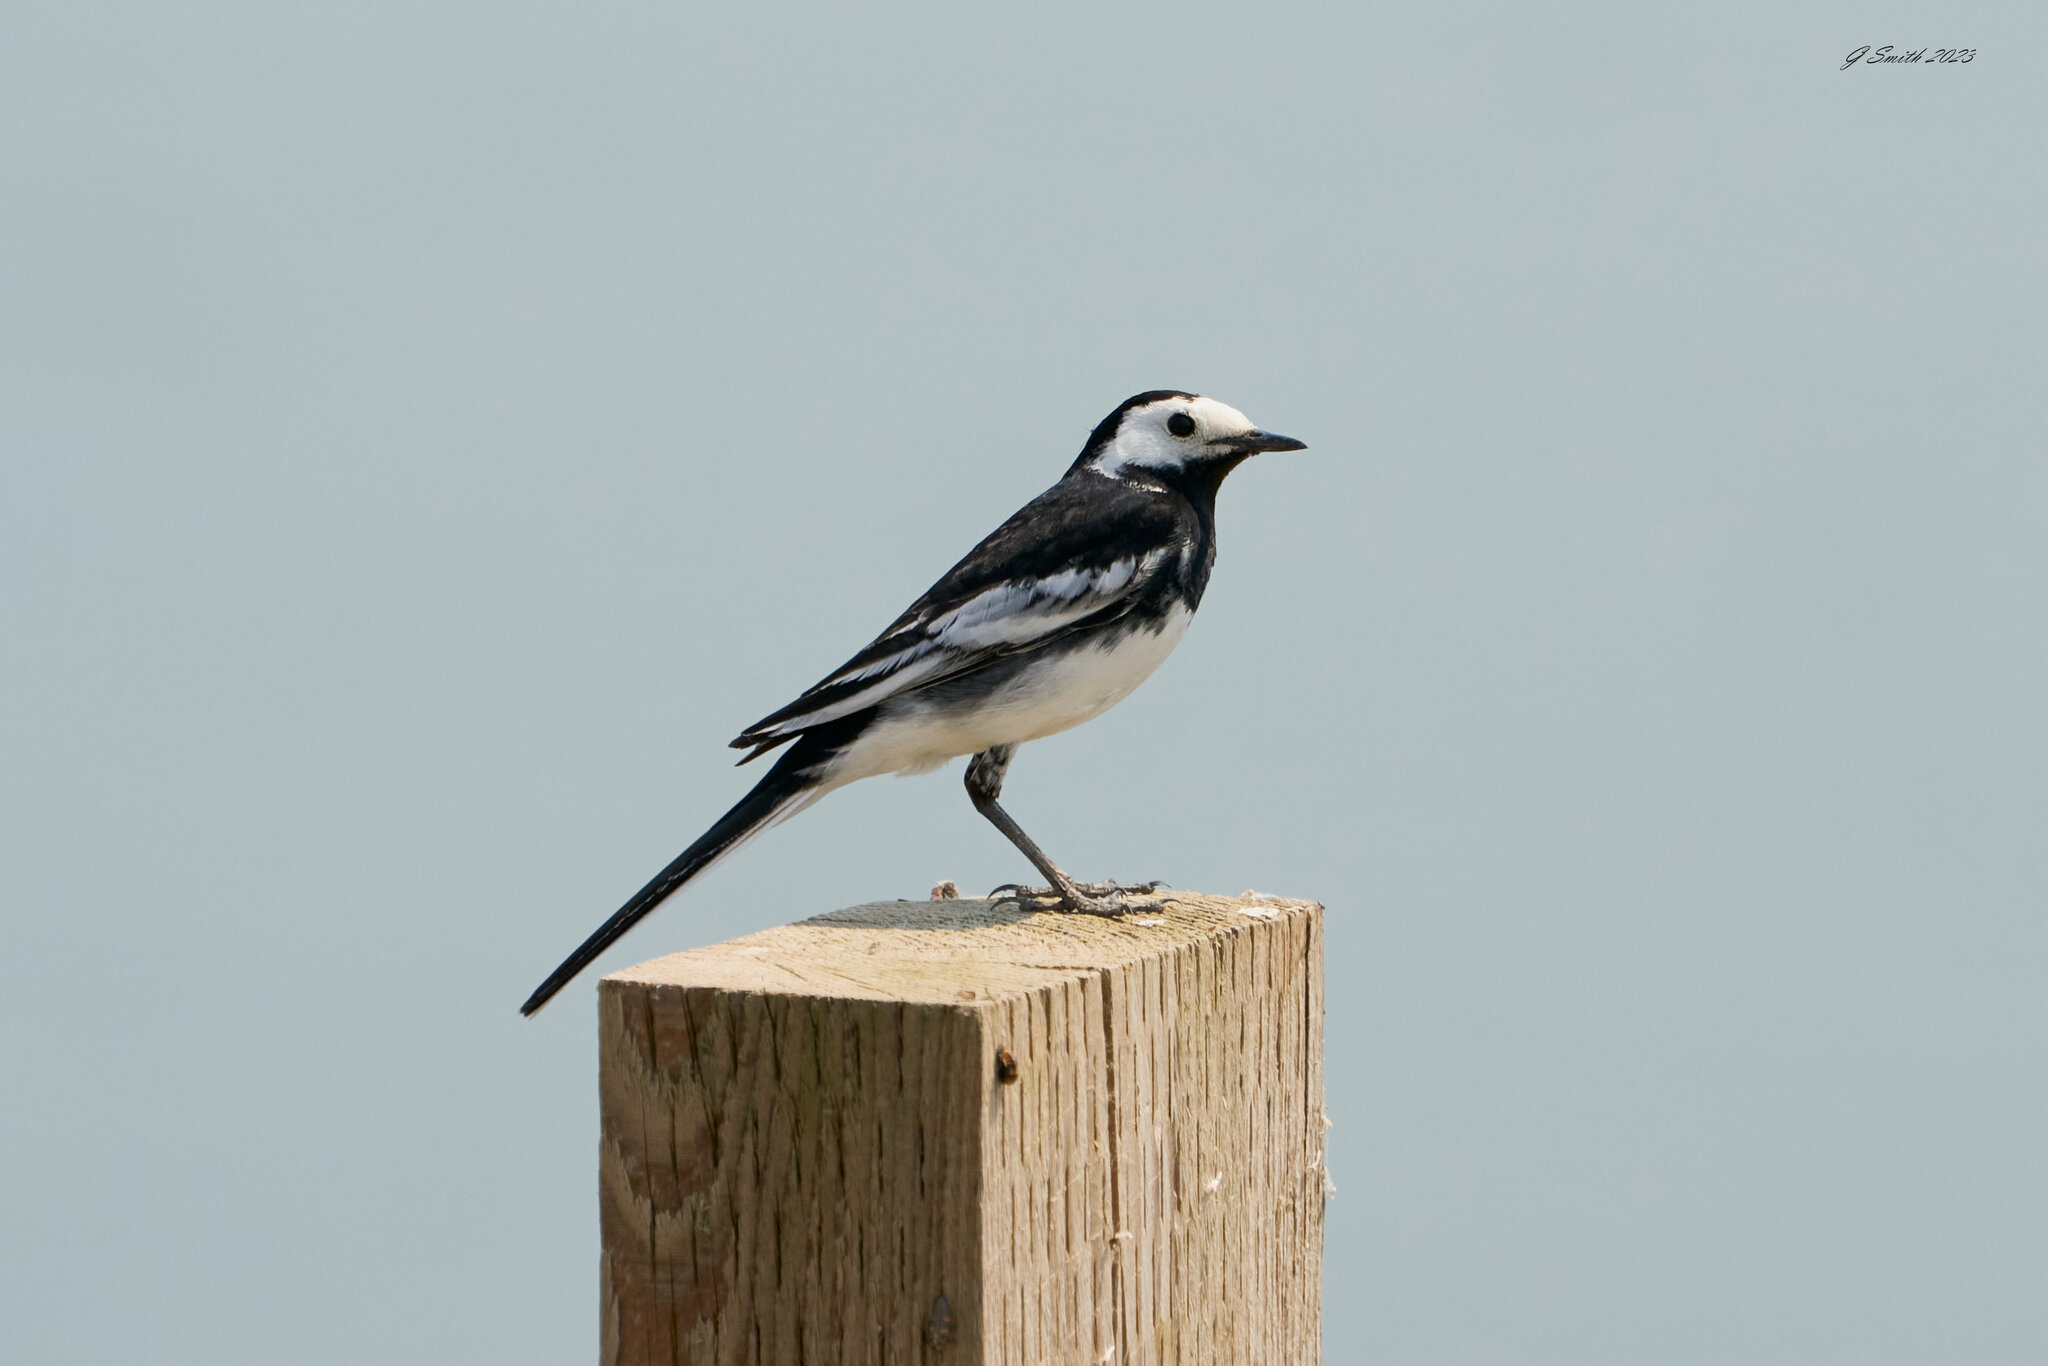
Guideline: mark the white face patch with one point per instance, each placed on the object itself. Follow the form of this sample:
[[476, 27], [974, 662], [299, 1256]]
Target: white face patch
[[1145, 438]]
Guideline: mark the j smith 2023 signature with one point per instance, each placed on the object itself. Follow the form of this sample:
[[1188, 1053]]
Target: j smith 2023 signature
[[1889, 55]]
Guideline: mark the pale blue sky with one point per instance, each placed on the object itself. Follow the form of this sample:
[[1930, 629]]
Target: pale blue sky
[[430, 432]]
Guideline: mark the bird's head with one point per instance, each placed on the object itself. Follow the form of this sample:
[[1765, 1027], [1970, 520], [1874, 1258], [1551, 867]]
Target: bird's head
[[1168, 432]]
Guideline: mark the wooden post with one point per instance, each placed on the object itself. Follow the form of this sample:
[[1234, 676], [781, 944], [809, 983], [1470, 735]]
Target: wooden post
[[953, 1133]]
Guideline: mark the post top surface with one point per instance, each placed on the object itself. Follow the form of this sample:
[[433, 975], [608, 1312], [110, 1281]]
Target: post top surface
[[961, 951]]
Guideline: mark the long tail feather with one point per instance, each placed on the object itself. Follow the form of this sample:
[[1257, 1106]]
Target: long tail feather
[[782, 792]]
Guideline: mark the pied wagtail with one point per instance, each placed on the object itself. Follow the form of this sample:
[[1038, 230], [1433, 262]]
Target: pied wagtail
[[1052, 620]]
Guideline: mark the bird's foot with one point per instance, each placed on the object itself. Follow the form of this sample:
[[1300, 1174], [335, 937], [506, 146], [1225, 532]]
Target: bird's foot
[[1083, 898], [1120, 888]]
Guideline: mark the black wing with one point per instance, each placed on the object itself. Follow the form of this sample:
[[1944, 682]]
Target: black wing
[[1079, 553]]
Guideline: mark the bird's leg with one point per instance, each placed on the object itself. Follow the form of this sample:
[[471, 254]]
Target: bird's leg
[[984, 784]]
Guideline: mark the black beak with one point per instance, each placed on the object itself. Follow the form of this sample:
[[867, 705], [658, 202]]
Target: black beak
[[1251, 443]]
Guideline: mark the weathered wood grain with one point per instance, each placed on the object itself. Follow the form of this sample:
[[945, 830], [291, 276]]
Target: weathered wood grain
[[809, 1156]]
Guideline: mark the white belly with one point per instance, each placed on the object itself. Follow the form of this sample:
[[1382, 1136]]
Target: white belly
[[1056, 694]]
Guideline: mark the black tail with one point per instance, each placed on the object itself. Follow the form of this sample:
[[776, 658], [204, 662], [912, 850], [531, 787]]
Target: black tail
[[780, 786]]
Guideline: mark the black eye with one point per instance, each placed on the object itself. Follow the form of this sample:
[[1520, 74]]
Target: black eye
[[1180, 424]]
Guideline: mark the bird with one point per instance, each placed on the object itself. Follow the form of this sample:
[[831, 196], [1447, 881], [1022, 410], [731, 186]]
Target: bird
[[1054, 618]]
